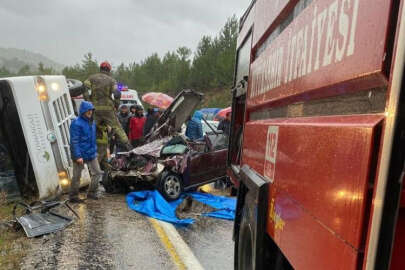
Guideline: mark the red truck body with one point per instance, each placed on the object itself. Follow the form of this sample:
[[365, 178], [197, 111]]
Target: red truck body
[[317, 148]]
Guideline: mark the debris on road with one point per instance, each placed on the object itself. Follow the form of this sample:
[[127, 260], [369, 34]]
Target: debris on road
[[40, 219], [152, 204]]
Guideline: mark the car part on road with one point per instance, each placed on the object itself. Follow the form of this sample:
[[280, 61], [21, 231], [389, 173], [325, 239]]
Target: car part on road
[[40, 219]]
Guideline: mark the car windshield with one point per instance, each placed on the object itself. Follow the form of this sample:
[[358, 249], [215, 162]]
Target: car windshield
[[207, 129], [218, 141]]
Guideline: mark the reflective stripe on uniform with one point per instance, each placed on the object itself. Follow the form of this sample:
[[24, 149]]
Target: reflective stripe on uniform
[[103, 107]]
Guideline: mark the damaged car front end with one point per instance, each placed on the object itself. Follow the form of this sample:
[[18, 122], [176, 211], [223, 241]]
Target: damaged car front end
[[169, 161]]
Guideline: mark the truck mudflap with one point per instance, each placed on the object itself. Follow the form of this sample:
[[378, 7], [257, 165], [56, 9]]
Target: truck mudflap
[[251, 211]]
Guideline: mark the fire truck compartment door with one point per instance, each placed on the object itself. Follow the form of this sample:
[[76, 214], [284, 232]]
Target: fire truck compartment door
[[321, 171]]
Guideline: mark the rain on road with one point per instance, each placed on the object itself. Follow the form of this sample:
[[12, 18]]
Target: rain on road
[[108, 235]]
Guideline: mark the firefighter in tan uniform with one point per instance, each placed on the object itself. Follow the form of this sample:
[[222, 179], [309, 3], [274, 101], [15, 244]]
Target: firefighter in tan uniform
[[102, 131], [103, 86]]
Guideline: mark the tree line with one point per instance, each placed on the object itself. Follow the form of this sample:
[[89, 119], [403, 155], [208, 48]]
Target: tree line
[[209, 70]]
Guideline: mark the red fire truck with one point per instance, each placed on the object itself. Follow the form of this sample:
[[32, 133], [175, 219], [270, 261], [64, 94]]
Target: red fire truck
[[318, 135]]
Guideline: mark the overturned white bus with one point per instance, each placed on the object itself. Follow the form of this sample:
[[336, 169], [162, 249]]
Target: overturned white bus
[[35, 115]]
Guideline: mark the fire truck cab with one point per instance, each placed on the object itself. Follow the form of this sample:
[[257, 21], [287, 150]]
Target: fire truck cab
[[317, 142], [35, 116]]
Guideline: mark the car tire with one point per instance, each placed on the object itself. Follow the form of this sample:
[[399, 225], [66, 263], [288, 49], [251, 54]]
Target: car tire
[[76, 87], [170, 186]]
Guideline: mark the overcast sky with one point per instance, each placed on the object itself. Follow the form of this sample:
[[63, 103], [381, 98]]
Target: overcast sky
[[115, 30]]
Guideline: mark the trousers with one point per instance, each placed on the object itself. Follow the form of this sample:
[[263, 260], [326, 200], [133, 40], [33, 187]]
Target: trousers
[[96, 176], [109, 118]]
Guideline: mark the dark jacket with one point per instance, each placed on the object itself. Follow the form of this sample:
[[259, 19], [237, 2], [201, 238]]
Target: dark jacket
[[83, 135], [102, 86], [150, 121], [124, 121], [194, 129]]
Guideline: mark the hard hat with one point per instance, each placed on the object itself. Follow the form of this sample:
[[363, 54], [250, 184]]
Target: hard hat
[[105, 66]]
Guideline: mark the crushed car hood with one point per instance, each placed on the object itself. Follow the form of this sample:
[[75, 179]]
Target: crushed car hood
[[176, 114]]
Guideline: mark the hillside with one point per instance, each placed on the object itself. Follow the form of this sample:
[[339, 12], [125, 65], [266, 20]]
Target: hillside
[[14, 59]]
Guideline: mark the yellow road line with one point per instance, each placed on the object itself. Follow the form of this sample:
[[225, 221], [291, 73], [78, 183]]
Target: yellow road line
[[168, 245]]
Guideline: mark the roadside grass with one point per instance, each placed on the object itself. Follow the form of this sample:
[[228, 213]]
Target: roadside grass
[[12, 244]]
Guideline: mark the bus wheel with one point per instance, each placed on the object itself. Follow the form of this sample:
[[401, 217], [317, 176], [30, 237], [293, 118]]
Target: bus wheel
[[245, 242]]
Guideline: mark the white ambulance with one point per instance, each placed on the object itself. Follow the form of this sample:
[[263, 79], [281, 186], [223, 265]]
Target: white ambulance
[[35, 115], [129, 97]]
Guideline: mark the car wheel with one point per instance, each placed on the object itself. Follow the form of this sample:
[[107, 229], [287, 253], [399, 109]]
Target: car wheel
[[76, 87], [171, 186]]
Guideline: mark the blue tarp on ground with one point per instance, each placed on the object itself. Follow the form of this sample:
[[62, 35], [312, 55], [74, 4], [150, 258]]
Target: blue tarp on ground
[[152, 204]]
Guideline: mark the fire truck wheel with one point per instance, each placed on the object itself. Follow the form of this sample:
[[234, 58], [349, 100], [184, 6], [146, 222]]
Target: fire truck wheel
[[245, 242], [170, 186]]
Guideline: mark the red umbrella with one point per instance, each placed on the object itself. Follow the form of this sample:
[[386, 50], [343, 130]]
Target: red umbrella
[[222, 113], [159, 100]]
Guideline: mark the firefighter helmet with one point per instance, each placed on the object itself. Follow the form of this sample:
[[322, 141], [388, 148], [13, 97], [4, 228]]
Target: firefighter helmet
[[105, 66]]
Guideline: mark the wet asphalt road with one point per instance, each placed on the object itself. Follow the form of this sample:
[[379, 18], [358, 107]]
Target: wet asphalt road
[[108, 235]]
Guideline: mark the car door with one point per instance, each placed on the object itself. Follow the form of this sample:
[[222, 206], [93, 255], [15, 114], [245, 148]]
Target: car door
[[202, 168], [209, 165]]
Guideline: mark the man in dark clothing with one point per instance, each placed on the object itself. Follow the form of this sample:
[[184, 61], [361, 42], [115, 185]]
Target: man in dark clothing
[[83, 149], [150, 120], [225, 124], [124, 117], [194, 129]]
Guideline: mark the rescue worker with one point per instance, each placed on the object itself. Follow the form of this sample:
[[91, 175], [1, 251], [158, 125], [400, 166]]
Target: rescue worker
[[124, 117], [103, 86], [194, 127], [103, 149], [83, 148], [136, 125]]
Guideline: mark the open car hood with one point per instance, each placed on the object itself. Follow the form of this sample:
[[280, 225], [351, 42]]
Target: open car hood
[[178, 112]]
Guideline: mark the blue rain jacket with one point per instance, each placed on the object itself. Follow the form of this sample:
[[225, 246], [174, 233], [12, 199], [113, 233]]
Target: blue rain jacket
[[194, 129], [83, 135]]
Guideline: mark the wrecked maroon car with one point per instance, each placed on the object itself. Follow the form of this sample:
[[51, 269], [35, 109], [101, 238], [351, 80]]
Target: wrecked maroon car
[[169, 161]]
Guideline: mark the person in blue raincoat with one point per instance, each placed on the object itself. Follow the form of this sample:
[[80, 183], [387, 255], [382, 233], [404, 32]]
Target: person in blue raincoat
[[194, 129], [83, 148]]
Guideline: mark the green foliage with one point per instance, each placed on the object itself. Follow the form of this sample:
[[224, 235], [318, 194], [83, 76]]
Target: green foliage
[[82, 72], [209, 70]]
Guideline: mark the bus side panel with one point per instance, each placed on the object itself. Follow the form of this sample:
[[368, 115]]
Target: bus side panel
[[35, 133], [320, 170]]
